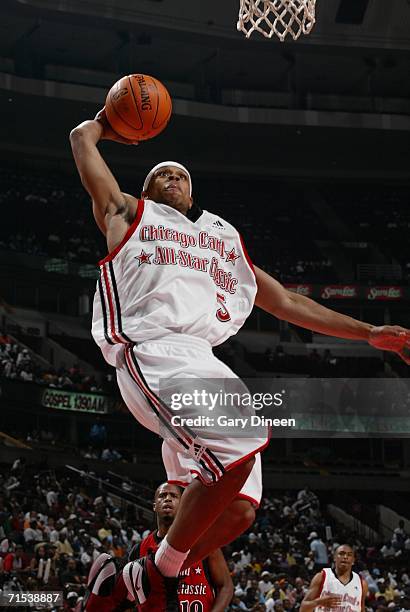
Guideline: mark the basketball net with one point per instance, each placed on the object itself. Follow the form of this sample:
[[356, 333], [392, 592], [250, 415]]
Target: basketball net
[[276, 17]]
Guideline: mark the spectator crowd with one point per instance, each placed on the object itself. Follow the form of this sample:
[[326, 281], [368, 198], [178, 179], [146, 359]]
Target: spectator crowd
[[54, 525], [18, 363]]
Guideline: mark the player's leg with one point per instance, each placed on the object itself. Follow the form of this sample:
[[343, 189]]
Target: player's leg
[[223, 465], [236, 519], [233, 521], [201, 506], [216, 514]]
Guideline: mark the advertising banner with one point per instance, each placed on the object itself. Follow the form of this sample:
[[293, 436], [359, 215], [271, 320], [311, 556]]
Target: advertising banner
[[339, 292], [71, 400]]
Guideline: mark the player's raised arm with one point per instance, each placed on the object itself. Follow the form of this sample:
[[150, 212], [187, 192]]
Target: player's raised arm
[[221, 580], [96, 177], [313, 599], [300, 310]]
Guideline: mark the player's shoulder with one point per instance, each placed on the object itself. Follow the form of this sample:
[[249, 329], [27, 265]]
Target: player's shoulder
[[151, 537], [319, 578], [148, 544], [152, 205]]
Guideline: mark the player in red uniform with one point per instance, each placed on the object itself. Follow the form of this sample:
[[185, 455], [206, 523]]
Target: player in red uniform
[[206, 586]]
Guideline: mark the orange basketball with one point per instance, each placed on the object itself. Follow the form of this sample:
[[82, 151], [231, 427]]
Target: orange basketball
[[138, 107]]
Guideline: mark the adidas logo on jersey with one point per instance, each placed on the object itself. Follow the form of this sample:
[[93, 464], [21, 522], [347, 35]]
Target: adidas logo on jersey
[[218, 224]]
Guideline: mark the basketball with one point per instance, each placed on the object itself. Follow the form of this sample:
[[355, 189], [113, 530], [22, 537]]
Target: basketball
[[138, 107]]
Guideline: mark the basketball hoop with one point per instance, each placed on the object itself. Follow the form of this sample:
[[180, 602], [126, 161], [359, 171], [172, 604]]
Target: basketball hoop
[[277, 17]]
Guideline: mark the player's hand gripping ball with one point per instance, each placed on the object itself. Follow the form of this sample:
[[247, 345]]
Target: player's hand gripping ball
[[138, 107]]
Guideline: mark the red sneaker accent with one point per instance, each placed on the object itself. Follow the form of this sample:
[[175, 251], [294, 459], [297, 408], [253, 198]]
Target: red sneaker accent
[[106, 589], [149, 588]]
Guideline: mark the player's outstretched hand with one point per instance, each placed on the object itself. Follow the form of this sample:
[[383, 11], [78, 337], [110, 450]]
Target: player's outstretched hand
[[392, 338], [330, 601], [108, 133]]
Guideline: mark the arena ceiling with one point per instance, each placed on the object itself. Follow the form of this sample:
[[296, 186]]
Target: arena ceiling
[[197, 42]]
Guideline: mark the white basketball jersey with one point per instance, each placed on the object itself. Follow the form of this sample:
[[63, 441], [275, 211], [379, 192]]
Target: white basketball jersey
[[172, 275], [351, 592]]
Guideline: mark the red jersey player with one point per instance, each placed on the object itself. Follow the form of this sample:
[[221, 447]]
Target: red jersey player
[[206, 586]]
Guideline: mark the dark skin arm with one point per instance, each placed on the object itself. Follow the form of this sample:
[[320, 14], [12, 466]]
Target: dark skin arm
[[313, 600], [300, 310], [365, 592], [221, 581], [113, 210]]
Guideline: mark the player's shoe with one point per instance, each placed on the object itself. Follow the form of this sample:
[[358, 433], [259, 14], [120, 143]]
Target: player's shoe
[[106, 591], [149, 588]]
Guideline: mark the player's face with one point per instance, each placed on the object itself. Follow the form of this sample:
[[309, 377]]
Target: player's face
[[170, 185], [166, 501], [344, 558]]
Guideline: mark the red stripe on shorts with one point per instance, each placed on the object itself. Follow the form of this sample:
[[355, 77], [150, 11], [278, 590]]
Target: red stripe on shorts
[[165, 413]]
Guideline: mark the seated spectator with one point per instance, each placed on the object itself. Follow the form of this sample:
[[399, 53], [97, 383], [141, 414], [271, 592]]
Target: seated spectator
[[16, 561], [388, 550], [32, 535], [265, 584], [70, 575], [63, 546]]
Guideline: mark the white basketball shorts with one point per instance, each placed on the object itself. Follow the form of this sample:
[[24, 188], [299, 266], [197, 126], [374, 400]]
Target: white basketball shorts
[[187, 452]]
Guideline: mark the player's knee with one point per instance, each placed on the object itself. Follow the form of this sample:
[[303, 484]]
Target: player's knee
[[249, 515], [242, 515]]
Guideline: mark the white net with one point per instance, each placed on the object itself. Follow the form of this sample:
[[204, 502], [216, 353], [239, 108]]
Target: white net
[[277, 17]]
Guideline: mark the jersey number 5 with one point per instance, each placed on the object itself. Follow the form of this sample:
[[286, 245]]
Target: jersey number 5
[[222, 313]]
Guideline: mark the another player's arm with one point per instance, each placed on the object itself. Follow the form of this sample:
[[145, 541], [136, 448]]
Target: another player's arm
[[96, 177], [313, 599], [365, 591], [300, 310], [221, 581]]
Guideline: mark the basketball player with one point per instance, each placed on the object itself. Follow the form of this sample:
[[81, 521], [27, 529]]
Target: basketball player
[[207, 585], [204, 587], [340, 588], [176, 282]]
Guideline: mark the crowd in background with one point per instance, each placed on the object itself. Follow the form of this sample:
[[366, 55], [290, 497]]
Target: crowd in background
[[283, 237], [17, 363], [285, 246], [376, 215], [54, 525], [30, 199]]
